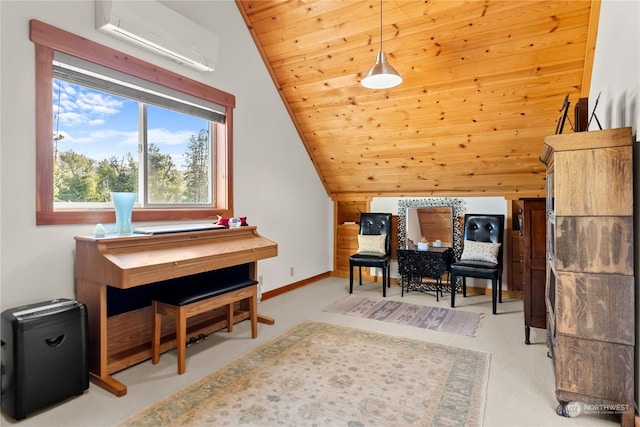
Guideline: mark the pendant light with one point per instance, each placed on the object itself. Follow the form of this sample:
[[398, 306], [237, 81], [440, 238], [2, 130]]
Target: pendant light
[[381, 75]]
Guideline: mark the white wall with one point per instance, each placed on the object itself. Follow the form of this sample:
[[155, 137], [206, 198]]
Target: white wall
[[616, 76], [616, 69], [479, 205], [276, 185]]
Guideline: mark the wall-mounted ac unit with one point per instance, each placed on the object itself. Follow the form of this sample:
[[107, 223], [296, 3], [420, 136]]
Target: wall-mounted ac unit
[[155, 27]]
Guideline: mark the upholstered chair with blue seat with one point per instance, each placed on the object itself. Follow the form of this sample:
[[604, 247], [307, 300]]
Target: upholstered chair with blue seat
[[374, 248], [481, 255]]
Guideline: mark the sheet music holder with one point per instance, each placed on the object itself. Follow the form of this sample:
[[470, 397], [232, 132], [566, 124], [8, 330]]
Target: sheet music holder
[[593, 114]]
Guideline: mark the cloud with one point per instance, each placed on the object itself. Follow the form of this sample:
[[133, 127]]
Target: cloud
[[165, 137], [81, 107], [71, 119], [119, 138]]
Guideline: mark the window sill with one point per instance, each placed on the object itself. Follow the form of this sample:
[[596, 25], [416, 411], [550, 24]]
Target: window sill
[[139, 215]]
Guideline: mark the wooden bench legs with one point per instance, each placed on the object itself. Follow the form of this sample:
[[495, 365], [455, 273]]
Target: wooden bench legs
[[183, 312]]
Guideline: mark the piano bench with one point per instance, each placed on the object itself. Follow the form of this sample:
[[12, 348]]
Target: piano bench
[[199, 298]]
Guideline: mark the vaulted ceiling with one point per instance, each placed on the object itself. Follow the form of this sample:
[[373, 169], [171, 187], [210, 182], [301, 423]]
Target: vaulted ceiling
[[484, 82]]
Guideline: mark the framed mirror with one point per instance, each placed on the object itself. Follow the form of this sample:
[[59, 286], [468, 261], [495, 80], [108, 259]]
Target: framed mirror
[[433, 224], [432, 219]]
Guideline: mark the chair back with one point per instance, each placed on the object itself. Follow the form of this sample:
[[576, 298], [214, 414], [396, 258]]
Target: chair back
[[485, 228], [376, 224]]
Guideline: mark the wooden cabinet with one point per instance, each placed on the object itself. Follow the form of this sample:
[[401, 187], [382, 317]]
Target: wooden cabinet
[[346, 245], [590, 290], [534, 264], [347, 218], [515, 255], [527, 260], [516, 283]]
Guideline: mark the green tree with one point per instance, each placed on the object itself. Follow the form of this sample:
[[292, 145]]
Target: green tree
[[164, 181], [76, 180], [197, 168], [116, 174]]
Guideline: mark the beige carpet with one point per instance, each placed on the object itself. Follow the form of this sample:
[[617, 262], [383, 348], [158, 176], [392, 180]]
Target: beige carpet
[[440, 319], [322, 374]]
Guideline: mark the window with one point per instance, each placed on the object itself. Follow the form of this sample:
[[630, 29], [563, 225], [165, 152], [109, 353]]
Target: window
[[113, 132], [121, 124]]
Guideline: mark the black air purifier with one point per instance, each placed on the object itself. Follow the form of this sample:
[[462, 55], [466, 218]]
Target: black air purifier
[[44, 355]]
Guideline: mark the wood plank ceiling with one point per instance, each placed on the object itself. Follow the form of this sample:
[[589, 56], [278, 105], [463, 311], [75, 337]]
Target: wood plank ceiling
[[483, 83]]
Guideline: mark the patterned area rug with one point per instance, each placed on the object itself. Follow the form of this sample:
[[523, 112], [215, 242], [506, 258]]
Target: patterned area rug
[[329, 375], [420, 316]]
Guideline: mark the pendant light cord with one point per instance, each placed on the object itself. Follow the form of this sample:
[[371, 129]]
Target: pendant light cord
[[380, 25]]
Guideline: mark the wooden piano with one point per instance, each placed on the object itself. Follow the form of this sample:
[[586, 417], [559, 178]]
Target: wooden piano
[[115, 277]]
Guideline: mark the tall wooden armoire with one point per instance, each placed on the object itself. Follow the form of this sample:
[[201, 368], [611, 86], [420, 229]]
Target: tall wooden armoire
[[590, 293]]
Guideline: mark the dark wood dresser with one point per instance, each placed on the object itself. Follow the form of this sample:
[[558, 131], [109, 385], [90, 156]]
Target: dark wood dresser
[[534, 258]]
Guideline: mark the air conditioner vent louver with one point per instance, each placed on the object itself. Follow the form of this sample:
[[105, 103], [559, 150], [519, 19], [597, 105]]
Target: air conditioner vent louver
[[158, 29]]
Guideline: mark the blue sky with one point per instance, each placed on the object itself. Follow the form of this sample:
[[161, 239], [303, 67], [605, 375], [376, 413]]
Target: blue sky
[[101, 125]]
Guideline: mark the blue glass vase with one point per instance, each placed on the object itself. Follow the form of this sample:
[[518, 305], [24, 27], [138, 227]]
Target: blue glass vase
[[124, 207]]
